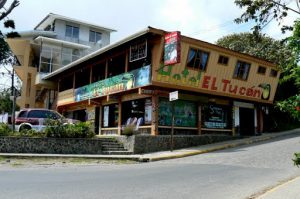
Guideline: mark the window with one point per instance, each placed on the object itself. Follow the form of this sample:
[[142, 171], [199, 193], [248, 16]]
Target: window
[[50, 58], [273, 73], [22, 114], [241, 70], [223, 60], [95, 36], [197, 59], [261, 70], [72, 32], [138, 51]]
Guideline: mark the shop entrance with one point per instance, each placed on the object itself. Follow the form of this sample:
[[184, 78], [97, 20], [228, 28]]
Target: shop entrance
[[246, 121]]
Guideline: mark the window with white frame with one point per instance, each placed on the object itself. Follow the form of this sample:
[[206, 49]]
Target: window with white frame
[[138, 51], [95, 36], [72, 32]]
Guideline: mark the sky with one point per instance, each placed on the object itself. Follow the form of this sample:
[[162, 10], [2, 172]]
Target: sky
[[206, 20]]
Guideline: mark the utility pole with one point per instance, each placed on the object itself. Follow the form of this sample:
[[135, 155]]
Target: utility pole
[[13, 93]]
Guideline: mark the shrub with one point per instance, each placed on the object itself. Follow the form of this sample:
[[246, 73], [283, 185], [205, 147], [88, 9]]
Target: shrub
[[54, 128], [297, 159], [129, 130], [4, 130], [58, 130]]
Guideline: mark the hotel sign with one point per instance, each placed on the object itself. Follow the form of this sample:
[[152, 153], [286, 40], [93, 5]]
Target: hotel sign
[[126, 81]]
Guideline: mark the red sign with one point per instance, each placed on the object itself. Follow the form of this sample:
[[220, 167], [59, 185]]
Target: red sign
[[172, 48]]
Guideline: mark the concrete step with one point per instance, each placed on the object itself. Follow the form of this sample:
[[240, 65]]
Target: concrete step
[[117, 152], [116, 149]]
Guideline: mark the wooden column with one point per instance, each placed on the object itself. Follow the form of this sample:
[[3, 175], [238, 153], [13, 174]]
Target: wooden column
[[91, 75], [154, 123], [199, 119], [100, 118], [233, 120], [106, 68], [120, 117], [126, 62]]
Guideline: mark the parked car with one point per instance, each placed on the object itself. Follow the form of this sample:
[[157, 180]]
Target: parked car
[[34, 118]]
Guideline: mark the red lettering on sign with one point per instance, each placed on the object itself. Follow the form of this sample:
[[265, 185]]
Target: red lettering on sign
[[225, 83], [213, 85], [205, 82]]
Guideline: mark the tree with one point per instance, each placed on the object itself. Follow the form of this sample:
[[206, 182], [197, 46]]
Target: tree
[[275, 51], [6, 55], [262, 12], [260, 46]]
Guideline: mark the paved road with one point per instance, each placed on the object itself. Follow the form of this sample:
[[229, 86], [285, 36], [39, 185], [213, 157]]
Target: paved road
[[233, 173]]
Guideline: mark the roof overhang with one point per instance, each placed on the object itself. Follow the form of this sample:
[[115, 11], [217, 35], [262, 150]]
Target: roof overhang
[[60, 42], [50, 18]]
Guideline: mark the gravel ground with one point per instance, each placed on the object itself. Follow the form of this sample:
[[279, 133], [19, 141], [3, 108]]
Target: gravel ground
[[6, 162]]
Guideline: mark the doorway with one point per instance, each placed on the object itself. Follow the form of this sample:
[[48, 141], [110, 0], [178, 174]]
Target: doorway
[[97, 120], [247, 121]]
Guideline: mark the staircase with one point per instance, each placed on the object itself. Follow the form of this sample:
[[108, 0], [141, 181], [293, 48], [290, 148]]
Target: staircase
[[110, 146]]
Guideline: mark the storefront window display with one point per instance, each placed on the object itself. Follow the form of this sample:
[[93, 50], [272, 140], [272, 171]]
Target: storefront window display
[[137, 112], [185, 113], [216, 116]]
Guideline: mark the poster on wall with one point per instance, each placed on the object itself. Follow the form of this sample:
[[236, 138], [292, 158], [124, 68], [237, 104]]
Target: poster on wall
[[126, 81], [185, 113], [215, 116], [172, 48], [105, 116], [148, 111]]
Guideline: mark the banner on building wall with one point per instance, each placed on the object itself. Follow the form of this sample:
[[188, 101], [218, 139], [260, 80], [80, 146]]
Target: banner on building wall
[[172, 48], [126, 81]]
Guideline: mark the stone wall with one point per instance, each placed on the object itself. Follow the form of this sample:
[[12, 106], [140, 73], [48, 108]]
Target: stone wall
[[140, 144], [50, 145], [137, 144]]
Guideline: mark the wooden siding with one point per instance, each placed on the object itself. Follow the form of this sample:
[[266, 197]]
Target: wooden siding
[[217, 79]]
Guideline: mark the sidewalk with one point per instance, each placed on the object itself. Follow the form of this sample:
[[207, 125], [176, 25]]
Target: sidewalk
[[289, 190], [163, 155]]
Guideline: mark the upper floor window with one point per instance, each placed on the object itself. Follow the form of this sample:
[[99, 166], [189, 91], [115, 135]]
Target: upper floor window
[[138, 51], [197, 59], [72, 31], [95, 36], [273, 73], [241, 70], [261, 70], [223, 60]]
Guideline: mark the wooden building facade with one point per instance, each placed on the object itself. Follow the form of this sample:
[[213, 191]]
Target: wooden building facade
[[128, 83]]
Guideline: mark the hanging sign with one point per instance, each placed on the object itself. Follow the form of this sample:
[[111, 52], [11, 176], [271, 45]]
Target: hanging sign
[[172, 48]]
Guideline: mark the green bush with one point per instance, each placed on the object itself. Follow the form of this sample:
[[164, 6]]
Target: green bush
[[79, 130], [5, 130], [297, 159], [30, 133], [129, 130]]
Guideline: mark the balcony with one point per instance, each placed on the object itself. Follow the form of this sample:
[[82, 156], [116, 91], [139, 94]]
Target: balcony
[[39, 81]]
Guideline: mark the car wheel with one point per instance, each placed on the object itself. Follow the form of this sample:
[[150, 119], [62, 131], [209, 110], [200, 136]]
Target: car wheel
[[24, 128]]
